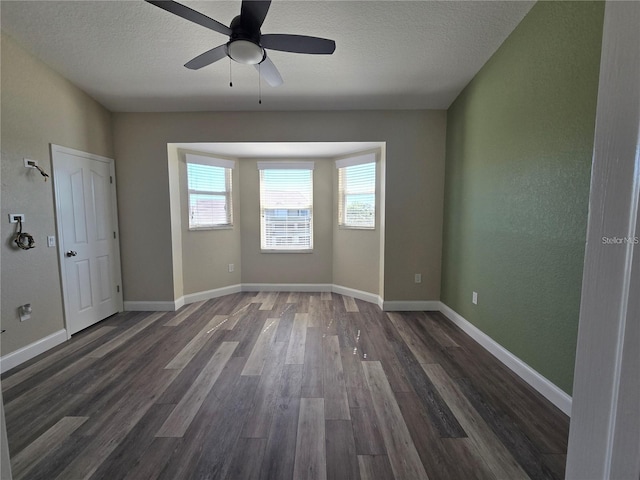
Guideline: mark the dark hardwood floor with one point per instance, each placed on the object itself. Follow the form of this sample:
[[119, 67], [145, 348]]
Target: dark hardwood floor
[[277, 386]]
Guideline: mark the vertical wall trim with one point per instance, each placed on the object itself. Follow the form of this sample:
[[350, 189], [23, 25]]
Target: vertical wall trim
[[604, 437], [5, 461]]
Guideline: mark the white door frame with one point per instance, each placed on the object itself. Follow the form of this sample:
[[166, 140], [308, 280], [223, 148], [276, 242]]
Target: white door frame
[[56, 151], [5, 459], [604, 437]]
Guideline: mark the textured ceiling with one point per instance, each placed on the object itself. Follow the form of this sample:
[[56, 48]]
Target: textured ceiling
[[129, 55]]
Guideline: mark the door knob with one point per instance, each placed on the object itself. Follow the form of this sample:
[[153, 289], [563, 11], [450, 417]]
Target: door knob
[[71, 253]]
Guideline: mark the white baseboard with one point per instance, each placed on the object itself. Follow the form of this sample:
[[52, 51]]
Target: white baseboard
[[164, 306], [179, 303], [286, 287], [151, 306], [311, 287], [34, 349], [359, 294], [544, 386], [388, 306], [410, 305], [209, 294]]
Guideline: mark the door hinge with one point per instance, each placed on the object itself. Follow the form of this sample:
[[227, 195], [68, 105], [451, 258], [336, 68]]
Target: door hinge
[[114, 234], [110, 179], [118, 288]]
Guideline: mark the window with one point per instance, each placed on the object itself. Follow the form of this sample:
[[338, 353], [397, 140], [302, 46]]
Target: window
[[357, 192], [209, 183], [286, 206]]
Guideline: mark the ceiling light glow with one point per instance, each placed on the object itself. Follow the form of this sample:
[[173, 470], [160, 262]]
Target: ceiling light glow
[[244, 51]]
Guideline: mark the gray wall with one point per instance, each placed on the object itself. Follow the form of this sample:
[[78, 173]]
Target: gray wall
[[344, 257], [206, 254], [315, 267], [39, 107], [356, 253], [414, 188]]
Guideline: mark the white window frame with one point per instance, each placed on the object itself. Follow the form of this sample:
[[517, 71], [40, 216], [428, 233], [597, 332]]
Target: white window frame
[[342, 194], [229, 166], [262, 166]]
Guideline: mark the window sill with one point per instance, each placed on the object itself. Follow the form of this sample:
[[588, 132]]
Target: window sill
[[347, 227], [284, 251], [221, 227]]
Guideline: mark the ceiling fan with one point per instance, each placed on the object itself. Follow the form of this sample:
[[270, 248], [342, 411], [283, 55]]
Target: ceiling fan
[[246, 42]]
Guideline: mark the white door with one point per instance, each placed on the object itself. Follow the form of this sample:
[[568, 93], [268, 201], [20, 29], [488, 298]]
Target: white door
[[87, 236]]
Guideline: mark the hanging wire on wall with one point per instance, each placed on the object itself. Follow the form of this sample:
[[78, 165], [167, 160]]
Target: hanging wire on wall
[[42, 172], [24, 240], [34, 164]]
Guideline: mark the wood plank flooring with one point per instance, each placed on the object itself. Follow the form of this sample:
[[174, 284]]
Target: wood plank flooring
[[277, 386]]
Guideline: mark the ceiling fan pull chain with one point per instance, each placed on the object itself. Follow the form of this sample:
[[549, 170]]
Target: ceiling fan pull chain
[[259, 85], [230, 77]]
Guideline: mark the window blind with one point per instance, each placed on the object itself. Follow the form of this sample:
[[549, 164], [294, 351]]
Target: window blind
[[357, 192], [209, 184], [286, 207]]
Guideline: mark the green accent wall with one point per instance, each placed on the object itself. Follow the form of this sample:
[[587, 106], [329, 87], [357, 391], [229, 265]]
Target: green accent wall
[[518, 165]]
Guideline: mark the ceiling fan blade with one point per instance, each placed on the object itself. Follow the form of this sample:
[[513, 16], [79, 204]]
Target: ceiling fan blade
[[253, 12], [269, 72], [191, 15], [208, 57], [298, 44]]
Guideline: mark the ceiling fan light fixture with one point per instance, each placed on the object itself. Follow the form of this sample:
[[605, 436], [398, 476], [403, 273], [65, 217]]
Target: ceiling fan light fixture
[[244, 51], [246, 43]]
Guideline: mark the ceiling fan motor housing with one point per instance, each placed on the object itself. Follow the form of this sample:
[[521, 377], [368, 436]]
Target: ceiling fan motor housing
[[244, 43]]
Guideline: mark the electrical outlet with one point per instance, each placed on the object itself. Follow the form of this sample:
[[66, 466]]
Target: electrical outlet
[[474, 298], [51, 241], [25, 312], [231, 267], [13, 217], [417, 278], [30, 163]]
